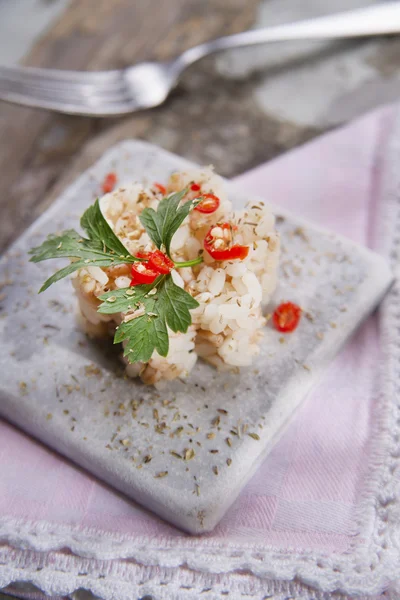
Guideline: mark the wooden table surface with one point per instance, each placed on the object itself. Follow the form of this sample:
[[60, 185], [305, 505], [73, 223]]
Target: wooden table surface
[[234, 111]]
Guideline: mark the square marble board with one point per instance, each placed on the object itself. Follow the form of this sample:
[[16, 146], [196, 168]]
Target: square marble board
[[70, 393]]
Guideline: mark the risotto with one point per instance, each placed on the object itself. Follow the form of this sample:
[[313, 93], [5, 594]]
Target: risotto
[[240, 251]]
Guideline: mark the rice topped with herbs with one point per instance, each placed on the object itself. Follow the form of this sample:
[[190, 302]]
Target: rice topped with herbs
[[238, 250]]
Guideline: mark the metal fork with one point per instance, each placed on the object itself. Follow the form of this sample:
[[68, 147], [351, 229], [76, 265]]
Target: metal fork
[[108, 93]]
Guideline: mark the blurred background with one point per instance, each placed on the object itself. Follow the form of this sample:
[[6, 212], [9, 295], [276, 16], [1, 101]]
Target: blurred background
[[236, 110]]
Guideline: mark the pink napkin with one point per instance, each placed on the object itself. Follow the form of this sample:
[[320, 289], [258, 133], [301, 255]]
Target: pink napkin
[[307, 494]]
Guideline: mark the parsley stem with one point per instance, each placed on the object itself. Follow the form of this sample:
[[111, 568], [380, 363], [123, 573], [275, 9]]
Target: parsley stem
[[189, 263]]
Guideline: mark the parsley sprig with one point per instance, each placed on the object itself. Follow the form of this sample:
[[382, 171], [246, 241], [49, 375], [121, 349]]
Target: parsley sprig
[[169, 216], [158, 304], [149, 309], [101, 248]]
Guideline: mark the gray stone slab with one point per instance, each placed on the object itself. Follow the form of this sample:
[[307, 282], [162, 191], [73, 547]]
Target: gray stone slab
[[69, 392]]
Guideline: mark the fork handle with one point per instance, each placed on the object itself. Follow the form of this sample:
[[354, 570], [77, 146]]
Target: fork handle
[[374, 20]]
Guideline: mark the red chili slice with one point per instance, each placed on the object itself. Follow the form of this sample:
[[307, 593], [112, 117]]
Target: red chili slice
[[109, 183], [158, 261], [143, 254], [195, 187], [161, 188], [220, 248], [286, 317], [209, 204], [142, 274]]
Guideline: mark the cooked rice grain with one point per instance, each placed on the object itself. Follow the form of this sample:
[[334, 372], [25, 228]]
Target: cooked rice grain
[[227, 326]]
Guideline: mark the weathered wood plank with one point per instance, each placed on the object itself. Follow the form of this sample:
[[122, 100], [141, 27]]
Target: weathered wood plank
[[36, 147]]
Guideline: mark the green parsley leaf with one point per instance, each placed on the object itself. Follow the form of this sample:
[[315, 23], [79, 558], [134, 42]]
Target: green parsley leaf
[[162, 224], [169, 305], [97, 228], [144, 335], [126, 299], [175, 305], [149, 309], [102, 249]]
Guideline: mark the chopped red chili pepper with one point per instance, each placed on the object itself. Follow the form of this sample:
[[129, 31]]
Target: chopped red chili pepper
[[143, 254], [142, 274], [161, 188], [109, 183], [195, 187], [218, 243], [209, 204], [286, 317], [160, 262], [153, 264]]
